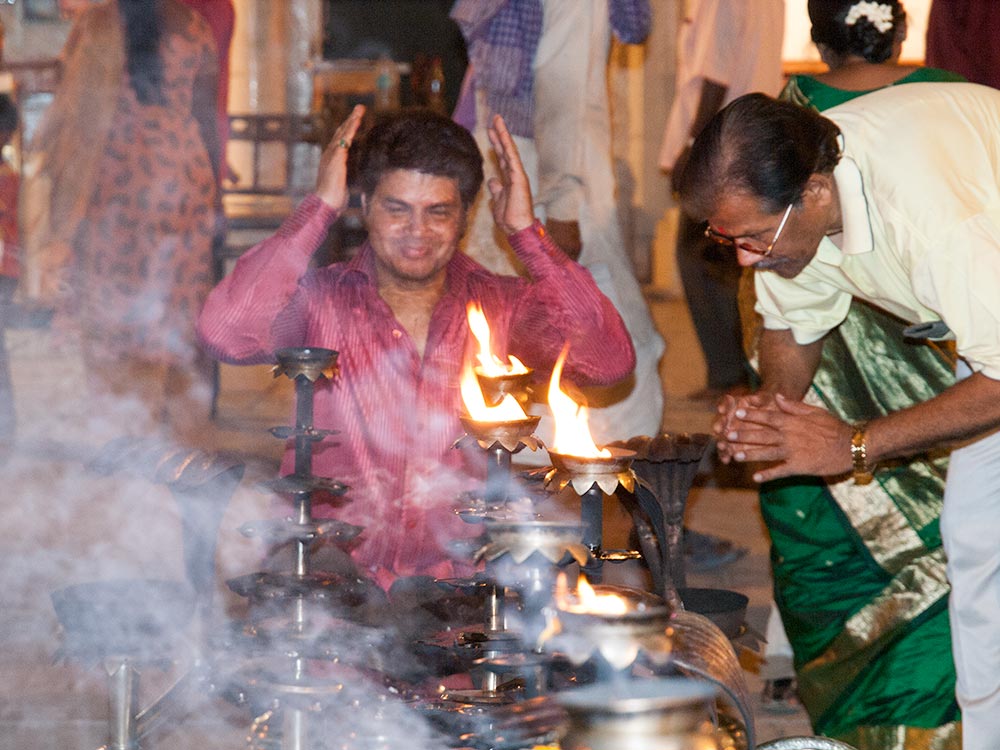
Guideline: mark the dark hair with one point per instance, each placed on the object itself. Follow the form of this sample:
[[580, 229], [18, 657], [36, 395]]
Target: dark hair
[[8, 115], [143, 28], [760, 146], [862, 38], [420, 140]]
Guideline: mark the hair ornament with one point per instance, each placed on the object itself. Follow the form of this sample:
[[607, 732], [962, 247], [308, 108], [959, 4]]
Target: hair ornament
[[878, 14]]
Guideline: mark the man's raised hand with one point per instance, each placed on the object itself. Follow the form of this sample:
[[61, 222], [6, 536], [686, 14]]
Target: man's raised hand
[[511, 192], [331, 183]]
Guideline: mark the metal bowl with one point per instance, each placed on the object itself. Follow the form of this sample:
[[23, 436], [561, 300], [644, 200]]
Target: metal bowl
[[727, 609]]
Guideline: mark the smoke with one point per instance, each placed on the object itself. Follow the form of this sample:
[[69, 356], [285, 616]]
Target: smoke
[[65, 525]]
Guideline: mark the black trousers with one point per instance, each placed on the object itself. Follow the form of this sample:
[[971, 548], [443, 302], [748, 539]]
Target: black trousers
[[711, 276]]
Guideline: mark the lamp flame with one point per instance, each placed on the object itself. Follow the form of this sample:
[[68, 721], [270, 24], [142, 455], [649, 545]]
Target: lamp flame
[[572, 430], [508, 410], [585, 600], [488, 361]]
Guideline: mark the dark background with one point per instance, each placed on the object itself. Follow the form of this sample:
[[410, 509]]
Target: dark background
[[405, 30]]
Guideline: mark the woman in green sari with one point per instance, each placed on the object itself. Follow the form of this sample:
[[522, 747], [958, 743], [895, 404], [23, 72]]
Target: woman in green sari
[[859, 571]]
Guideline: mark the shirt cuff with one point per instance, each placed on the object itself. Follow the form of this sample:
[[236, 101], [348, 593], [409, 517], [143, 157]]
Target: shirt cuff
[[531, 239], [313, 216]]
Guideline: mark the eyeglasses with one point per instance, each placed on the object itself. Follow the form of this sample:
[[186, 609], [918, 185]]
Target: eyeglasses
[[746, 243]]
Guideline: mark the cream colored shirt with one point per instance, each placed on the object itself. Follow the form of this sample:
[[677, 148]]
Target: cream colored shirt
[[919, 186]]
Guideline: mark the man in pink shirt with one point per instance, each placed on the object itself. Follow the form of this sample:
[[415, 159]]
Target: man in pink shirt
[[397, 315]]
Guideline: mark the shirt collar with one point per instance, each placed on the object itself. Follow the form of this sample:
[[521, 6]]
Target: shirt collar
[[858, 237], [361, 268]]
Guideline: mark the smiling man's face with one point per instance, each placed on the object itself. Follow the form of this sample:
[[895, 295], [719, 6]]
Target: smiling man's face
[[415, 222]]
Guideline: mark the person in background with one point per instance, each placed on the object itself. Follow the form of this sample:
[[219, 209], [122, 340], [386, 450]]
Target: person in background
[[221, 18], [397, 314], [962, 37], [860, 44], [129, 151], [542, 66], [725, 49], [862, 693], [10, 183]]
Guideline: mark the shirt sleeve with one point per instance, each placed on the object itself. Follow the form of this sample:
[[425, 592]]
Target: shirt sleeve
[[563, 198], [807, 305], [237, 323], [560, 305], [561, 121]]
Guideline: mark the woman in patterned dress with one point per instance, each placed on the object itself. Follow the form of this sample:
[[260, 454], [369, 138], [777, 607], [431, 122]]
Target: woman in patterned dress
[[131, 146]]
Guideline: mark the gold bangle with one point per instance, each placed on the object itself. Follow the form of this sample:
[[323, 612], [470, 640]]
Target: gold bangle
[[859, 456]]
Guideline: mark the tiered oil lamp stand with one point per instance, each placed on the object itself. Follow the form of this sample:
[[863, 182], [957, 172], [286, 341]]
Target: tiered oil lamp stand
[[521, 555], [298, 616], [591, 478], [644, 632], [512, 536]]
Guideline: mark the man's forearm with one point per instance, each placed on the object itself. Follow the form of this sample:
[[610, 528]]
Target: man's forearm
[[965, 410], [564, 305], [785, 366]]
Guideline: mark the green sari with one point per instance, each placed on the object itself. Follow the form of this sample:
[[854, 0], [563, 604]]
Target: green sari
[[859, 572]]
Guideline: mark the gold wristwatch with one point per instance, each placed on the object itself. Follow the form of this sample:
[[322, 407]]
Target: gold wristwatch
[[859, 456]]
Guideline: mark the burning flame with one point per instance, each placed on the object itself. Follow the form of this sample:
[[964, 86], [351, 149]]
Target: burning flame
[[488, 361], [585, 600], [572, 431], [508, 410]]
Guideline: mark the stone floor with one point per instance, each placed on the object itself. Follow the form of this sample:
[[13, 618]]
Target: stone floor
[[60, 525]]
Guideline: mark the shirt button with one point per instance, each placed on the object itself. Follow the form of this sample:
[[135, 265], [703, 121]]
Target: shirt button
[[397, 333]]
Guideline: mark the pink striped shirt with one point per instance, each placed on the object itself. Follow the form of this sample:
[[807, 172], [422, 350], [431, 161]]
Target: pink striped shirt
[[397, 414]]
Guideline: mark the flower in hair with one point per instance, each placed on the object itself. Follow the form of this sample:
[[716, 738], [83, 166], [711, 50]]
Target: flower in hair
[[878, 14]]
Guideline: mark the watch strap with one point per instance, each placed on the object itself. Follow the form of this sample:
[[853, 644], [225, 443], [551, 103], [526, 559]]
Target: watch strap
[[860, 465]]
